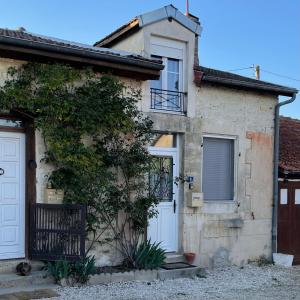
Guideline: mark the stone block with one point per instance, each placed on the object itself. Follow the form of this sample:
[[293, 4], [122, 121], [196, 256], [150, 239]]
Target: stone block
[[100, 279], [121, 277], [178, 273], [145, 275], [283, 260]]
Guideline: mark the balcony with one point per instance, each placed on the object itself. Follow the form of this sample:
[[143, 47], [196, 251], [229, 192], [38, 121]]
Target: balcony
[[165, 100]]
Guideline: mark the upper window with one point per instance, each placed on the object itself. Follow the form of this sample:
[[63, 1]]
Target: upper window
[[167, 93], [218, 169]]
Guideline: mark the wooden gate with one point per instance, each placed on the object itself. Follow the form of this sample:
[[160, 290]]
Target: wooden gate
[[289, 219], [57, 231]]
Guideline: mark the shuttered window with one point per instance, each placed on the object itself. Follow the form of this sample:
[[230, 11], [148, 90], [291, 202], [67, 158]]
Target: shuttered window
[[218, 169]]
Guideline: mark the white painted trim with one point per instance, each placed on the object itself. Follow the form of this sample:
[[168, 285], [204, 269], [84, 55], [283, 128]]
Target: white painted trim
[[235, 167]]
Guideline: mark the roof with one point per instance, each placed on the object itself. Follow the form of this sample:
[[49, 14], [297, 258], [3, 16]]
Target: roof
[[204, 74], [289, 145], [167, 12], [27, 40]]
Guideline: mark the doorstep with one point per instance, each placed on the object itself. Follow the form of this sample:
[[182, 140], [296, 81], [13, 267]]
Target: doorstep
[[174, 257], [146, 275]]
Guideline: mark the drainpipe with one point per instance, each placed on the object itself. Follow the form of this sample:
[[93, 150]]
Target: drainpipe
[[275, 171]]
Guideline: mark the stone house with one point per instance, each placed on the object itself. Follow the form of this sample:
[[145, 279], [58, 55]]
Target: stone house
[[214, 139]]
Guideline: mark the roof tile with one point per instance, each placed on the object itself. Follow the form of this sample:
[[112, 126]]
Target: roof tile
[[289, 144]]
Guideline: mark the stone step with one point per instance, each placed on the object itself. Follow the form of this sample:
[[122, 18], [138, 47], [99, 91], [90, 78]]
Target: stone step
[[9, 266], [14, 280], [26, 288], [174, 258]]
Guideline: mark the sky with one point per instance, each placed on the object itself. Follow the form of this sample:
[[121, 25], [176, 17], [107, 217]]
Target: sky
[[236, 33]]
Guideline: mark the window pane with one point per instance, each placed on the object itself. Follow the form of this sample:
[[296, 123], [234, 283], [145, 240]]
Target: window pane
[[156, 84], [161, 178], [218, 169], [173, 81], [164, 141], [11, 123], [297, 196], [283, 196], [173, 65]]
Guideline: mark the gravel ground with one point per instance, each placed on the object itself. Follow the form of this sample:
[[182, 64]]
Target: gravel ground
[[250, 282]]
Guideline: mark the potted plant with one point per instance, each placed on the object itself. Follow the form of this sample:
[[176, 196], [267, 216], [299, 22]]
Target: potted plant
[[190, 257]]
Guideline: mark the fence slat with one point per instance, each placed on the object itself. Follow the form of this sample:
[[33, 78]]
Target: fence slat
[[57, 231]]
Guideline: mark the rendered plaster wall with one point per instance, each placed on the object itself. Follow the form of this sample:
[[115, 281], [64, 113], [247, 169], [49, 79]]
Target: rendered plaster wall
[[232, 232], [220, 232]]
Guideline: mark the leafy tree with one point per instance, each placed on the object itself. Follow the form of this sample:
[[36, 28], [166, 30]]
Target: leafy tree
[[96, 141]]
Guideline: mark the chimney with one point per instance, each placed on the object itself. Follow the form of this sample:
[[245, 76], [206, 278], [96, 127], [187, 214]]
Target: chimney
[[196, 56], [22, 29], [257, 72]]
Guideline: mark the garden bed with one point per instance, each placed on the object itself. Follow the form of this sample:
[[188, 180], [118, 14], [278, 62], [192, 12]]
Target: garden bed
[[121, 275]]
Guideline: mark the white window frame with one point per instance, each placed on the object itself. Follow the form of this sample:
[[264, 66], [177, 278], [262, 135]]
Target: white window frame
[[167, 48], [235, 164]]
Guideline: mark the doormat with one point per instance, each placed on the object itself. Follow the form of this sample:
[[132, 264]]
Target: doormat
[[177, 265]]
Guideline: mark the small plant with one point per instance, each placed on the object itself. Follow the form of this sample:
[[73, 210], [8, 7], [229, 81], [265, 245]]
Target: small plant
[[78, 272], [83, 269], [149, 256], [59, 269], [263, 261]]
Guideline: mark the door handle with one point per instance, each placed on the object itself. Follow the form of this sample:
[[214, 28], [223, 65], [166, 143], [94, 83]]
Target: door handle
[[174, 206], [1, 171]]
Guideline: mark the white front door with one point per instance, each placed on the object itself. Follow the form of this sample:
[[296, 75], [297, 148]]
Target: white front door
[[12, 195], [164, 227]]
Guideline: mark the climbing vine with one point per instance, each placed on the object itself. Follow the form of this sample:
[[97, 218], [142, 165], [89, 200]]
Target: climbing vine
[[95, 139]]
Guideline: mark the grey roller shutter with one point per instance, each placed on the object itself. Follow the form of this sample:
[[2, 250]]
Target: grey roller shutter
[[218, 169]]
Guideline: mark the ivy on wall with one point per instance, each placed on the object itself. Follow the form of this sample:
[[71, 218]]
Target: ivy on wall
[[96, 140]]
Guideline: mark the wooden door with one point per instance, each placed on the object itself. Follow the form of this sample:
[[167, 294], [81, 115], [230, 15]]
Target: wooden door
[[289, 219]]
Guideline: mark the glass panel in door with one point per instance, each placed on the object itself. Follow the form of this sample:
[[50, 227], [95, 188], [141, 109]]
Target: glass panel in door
[[161, 178]]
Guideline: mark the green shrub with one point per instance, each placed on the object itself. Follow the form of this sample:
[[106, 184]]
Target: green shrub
[[79, 271], [83, 269], [59, 269], [149, 256]]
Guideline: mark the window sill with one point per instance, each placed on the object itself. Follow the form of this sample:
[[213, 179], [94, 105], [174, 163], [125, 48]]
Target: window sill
[[219, 206], [169, 112]]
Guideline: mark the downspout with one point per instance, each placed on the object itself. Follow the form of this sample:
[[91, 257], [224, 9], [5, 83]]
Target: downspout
[[275, 171]]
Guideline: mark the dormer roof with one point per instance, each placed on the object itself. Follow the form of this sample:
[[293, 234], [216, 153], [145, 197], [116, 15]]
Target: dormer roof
[[168, 12]]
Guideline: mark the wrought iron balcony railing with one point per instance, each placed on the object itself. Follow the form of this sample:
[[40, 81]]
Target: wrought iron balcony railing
[[167, 100]]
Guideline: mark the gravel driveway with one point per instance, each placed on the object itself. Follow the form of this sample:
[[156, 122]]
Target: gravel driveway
[[250, 282]]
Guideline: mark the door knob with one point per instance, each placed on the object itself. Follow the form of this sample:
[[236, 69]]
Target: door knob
[[174, 206], [1, 171]]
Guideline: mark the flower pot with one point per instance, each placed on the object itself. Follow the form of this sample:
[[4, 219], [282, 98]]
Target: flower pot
[[190, 257]]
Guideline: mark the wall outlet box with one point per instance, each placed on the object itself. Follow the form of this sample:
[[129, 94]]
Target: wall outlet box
[[53, 196], [195, 200]]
